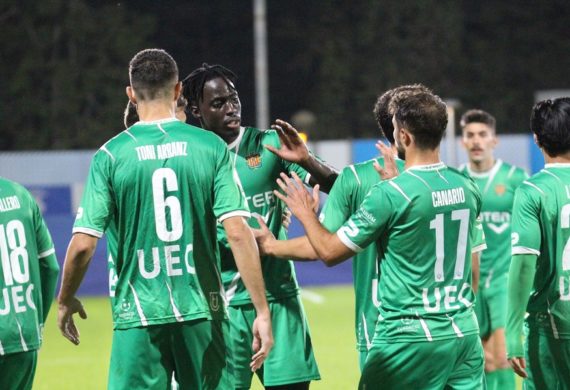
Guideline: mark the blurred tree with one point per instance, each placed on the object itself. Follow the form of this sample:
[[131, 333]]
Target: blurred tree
[[64, 69]]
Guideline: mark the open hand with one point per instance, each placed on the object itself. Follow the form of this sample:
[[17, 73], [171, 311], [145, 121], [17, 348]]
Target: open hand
[[65, 319], [296, 197], [390, 169], [262, 341], [293, 148]]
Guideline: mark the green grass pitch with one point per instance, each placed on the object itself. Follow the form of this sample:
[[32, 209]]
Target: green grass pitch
[[330, 310]]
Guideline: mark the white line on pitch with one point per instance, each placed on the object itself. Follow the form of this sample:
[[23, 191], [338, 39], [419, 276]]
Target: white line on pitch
[[312, 296]]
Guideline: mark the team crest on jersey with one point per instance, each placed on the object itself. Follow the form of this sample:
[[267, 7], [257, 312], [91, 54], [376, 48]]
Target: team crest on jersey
[[253, 161], [500, 189]]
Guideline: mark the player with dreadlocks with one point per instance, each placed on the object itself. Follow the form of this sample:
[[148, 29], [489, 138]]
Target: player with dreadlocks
[[259, 157]]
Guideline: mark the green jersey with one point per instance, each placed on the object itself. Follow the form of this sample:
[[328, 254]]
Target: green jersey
[[425, 223], [25, 243], [346, 195], [157, 189], [541, 226], [497, 187], [258, 170]]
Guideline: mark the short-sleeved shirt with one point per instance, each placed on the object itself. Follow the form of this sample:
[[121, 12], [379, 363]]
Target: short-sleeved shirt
[[425, 223], [157, 190], [24, 243], [258, 169], [497, 187], [541, 227], [346, 195]]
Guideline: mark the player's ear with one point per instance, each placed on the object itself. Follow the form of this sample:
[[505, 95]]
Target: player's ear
[[131, 94], [177, 90], [195, 111]]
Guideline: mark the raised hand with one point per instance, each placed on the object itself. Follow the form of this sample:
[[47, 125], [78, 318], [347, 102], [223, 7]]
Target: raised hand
[[296, 197], [293, 148], [390, 169]]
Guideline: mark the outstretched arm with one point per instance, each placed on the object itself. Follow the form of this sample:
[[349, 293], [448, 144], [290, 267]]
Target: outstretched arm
[[293, 149], [246, 255], [327, 245], [521, 278], [79, 254]]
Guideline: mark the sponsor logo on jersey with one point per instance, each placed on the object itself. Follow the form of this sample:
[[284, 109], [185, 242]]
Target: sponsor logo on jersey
[[500, 189], [253, 161]]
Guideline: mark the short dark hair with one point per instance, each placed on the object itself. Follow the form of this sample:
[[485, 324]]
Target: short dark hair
[[193, 84], [424, 115], [152, 72], [131, 114], [550, 122], [477, 116], [382, 112]]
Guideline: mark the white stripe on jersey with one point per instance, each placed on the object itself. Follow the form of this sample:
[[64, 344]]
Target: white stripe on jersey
[[455, 328], [420, 179], [397, 187], [130, 135], [175, 310], [236, 213], [368, 342], [24, 345], [46, 253], [479, 248], [160, 128], [552, 324], [533, 186], [1, 349], [231, 292], [523, 250], [144, 322], [347, 241], [355, 174], [511, 171], [425, 327], [551, 174], [103, 148]]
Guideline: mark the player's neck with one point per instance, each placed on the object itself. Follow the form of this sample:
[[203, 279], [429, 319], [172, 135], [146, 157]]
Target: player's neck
[[561, 159], [482, 166], [155, 110], [415, 157]]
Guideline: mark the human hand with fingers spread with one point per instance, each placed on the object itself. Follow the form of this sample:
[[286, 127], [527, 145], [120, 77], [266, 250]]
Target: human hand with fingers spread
[[301, 203], [390, 170], [293, 148]]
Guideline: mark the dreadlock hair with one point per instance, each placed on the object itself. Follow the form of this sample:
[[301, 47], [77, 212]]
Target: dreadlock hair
[[193, 84]]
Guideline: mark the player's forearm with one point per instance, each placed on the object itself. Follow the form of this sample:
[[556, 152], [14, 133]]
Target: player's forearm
[[298, 249], [326, 244], [475, 270], [321, 173], [49, 271], [521, 279], [77, 258], [246, 256]]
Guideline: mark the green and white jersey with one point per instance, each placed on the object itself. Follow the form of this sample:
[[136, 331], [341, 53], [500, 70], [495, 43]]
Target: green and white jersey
[[541, 226], [258, 170], [24, 243], [346, 195], [157, 190], [497, 187], [425, 223]]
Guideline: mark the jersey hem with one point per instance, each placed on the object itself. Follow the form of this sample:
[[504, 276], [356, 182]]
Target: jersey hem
[[237, 213], [18, 349], [162, 321], [479, 248], [523, 250], [347, 242], [270, 298], [423, 339], [46, 253]]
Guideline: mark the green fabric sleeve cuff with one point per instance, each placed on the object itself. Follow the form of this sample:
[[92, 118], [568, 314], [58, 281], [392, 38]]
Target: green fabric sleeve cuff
[[521, 280]]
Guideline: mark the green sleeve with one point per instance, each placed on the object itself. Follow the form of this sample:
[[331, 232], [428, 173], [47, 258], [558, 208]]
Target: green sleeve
[[521, 278], [49, 271]]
